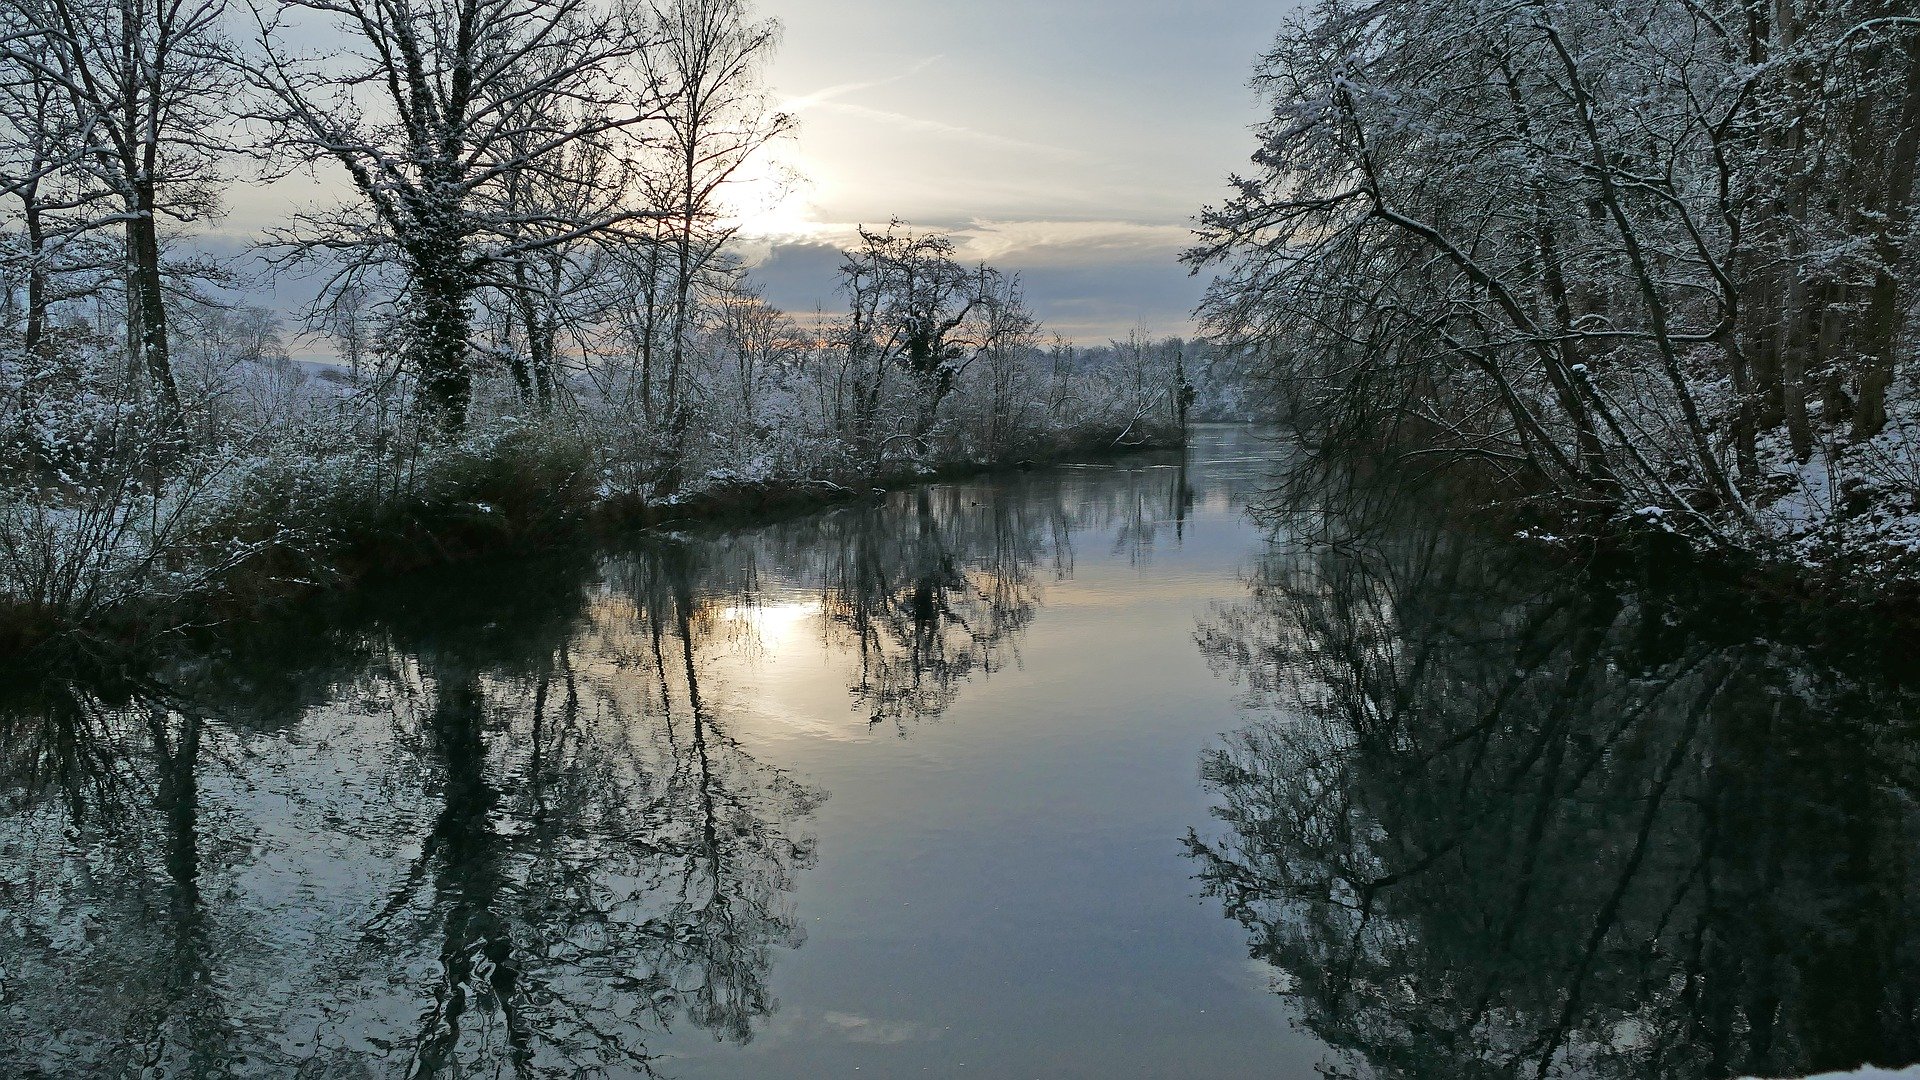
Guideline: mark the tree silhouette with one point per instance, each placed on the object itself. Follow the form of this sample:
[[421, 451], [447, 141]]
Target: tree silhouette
[[1495, 821]]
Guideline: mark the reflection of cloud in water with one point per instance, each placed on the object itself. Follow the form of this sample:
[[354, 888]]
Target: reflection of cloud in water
[[773, 626], [866, 1029]]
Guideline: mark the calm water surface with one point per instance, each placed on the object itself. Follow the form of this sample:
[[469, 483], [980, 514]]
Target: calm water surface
[[961, 782]]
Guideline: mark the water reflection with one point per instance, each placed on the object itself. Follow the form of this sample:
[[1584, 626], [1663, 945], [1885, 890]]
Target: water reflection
[[493, 822], [1497, 821], [928, 597], [469, 848]]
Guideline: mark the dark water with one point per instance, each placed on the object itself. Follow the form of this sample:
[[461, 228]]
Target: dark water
[[901, 790], [1497, 817]]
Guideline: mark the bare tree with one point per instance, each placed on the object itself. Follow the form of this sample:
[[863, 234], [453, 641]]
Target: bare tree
[[39, 142], [549, 288], [146, 83], [710, 55], [348, 318], [442, 114], [913, 306], [758, 340]]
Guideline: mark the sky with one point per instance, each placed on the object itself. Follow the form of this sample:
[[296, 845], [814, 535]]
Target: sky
[[1070, 141]]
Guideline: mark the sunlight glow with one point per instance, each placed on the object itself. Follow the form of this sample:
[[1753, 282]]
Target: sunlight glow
[[767, 198], [772, 626]]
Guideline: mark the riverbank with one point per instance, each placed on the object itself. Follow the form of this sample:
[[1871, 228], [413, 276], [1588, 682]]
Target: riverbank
[[1846, 558], [1840, 563], [257, 535]]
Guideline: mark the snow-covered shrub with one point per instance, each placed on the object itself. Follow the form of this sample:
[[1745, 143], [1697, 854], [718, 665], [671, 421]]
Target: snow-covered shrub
[[115, 541]]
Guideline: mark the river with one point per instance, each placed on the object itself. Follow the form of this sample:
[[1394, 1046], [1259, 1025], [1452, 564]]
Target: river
[[1080, 772]]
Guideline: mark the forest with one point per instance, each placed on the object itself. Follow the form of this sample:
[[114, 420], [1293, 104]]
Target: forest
[[1645, 263], [531, 285]]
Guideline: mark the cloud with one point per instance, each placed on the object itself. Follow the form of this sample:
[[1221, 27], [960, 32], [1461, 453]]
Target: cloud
[[953, 131], [806, 101], [828, 98], [1013, 242], [1087, 280], [800, 276], [1095, 301], [866, 1029], [1041, 242]]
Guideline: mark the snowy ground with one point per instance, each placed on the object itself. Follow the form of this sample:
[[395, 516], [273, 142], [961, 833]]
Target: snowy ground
[[1859, 501]]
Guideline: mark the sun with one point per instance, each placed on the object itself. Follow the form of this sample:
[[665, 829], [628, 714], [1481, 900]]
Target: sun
[[766, 198]]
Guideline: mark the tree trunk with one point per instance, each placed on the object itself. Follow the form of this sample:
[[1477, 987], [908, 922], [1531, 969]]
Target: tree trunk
[[1794, 348], [650, 329], [533, 369], [677, 418], [1831, 360], [441, 323], [147, 308], [544, 358], [36, 272], [520, 306], [544, 339], [1880, 332]]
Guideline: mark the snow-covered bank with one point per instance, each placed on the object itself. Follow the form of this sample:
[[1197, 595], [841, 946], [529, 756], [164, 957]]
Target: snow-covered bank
[[1852, 507], [315, 506], [261, 478]]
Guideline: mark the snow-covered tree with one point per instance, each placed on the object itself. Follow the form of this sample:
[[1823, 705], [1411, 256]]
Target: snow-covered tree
[[1598, 250], [710, 58], [144, 86], [443, 114]]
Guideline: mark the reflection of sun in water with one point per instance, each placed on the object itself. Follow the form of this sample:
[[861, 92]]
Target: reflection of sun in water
[[772, 626]]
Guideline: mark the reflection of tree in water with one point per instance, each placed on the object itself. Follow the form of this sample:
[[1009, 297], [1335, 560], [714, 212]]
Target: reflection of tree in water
[[494, 824], [937, 586], [1148, 501], [723, 816], [930, 594], [1499, 824], [116, 768], [514, 855]]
